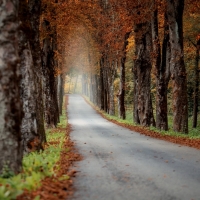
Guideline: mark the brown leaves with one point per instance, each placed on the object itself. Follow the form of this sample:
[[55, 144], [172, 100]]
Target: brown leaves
[[61, 186]]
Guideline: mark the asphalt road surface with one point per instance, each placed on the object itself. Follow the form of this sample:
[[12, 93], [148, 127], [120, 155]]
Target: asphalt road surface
[[120, 164]]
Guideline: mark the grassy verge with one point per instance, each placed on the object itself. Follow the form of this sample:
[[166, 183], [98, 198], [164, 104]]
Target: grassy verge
[[36, 166], [194, 133]]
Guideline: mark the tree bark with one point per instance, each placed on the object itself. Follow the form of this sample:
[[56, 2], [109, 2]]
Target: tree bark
[[111, 71], [196, 88], [142, 70], [50, 92], [60, 94], [34, 17], [135, 97], [161, 67], [180, 103], [121, 94], [10, 105], [31, 139], [101, 85]]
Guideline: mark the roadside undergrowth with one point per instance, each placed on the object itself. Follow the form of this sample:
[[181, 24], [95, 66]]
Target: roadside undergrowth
[[178, 138], [46, 174]]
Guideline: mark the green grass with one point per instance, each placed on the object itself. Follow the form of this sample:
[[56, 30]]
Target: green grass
[[194, 133], [36, 166]]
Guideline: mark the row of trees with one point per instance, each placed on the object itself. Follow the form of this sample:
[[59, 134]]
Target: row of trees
[[157, 28], [39, 41], [31, 84]]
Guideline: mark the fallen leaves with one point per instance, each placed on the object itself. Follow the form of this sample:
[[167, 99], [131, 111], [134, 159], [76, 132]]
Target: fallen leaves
[[59, 186], [195, 143]]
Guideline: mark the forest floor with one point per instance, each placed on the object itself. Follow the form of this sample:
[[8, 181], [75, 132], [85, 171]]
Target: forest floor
[[53, 188]]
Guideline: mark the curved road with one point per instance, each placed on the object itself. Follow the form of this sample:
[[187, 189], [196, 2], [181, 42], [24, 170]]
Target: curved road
[[120, 164]]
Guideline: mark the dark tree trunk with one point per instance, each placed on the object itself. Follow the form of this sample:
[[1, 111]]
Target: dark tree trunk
[[34, 17], [105, 83], [60, 89], [50, 79], [101, 86], [142, 70], [105, 100], [98, 98], [135, 96], [96, 90], [161, 83], [31, 139], [50, 84], [111, 70], [196, 88], [121, 94], [111, 98], [179, 82], [10, 105]]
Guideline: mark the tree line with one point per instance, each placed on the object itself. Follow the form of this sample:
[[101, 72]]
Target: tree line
[[31, 84], [36, 54], [157, 28]]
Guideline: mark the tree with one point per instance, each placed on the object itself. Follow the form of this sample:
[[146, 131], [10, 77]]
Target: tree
[[34, 10], [178, 71], [162, 67], [10, 105], [29, 127], [121, 94], [49, 75], [143, 111], [196, 89]]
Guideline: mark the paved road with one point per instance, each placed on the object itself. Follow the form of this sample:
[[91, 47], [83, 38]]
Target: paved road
[[120, 164]]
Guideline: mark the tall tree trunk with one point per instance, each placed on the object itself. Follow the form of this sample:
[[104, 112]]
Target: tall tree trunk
[[10, 105], [121, 94], [142, 69], [160, 66], [106, 89], [91, 87], [135, 97], [60, 94], [196, 88], [101, 85], [50, 86], [180, 103], [111, 98], [34, 17], [96, 90], [31, 139], [111, 71]]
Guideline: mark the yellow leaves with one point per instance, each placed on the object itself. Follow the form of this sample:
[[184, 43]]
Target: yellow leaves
[[131, 43]]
